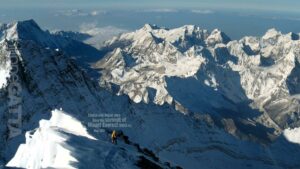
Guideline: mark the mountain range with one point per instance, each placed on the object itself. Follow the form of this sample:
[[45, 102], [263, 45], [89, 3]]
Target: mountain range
[[193, 98]]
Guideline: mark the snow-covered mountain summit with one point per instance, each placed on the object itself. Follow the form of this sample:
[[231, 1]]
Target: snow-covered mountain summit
[[29, 30]]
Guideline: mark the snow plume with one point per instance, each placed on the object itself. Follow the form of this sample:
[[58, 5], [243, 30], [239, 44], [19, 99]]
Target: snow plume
[[46, 146]]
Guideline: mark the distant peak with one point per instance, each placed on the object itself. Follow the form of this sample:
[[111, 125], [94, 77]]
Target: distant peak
[[271, 33], [29, 21], [26, 30], [272, 30], [149, 27], [215, 31], [217, 36], [28, 24], [191, 28]]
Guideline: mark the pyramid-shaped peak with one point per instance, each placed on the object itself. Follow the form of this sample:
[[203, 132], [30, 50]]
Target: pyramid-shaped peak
[[217, 36], [27, 24], [215, 31], [26, 30], [149, 27]]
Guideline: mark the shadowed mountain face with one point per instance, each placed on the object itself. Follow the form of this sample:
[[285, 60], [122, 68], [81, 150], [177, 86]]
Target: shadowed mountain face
[[192, 97]]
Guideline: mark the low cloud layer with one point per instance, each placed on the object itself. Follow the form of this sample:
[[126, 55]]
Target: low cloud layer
[[100, 34], [162, 10], [202, 11], [78, 12]]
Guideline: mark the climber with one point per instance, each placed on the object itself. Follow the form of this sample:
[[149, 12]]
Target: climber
[[114, 137]]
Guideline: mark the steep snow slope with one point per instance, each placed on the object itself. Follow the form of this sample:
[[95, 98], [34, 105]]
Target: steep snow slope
[[56, 142], [49, 80], [44, 147]]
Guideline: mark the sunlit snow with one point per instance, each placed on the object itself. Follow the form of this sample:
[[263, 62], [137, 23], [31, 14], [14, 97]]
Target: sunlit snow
[[4, 74], [45, 146], [292, 135]]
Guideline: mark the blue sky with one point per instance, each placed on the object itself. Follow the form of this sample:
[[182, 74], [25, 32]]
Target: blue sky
[[276, 5]]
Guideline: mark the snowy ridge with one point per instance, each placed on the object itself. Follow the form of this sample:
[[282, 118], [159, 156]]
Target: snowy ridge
[[45, 147]]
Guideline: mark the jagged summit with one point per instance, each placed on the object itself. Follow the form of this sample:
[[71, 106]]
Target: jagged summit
[[27, 24], [23, 30], [216, 37], [149, 27], [182, 38], [28, 30], [271, 33]]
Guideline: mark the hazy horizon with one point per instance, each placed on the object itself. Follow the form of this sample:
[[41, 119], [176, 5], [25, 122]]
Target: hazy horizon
[[235, 18], [273, 5]]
